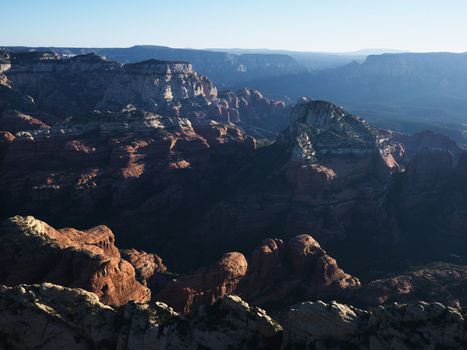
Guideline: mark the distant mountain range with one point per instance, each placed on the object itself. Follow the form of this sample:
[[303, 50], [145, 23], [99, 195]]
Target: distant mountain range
[[317, 60], [404, 91], [226, 69]]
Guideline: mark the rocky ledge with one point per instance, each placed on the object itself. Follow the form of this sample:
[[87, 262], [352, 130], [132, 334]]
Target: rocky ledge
[[48, 316], [333, 326]]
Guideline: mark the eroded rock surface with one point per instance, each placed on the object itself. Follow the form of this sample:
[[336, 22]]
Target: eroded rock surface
[[48, 316], [146, 265], [276, 276], [435, 282], [34, 252], [281, 274], [202, 287], [78, 85], [399, 326]]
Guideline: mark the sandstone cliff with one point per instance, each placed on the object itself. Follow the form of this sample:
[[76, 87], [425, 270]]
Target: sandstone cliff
[[276, 275], [78, 85], [282, 274], [34, 252]]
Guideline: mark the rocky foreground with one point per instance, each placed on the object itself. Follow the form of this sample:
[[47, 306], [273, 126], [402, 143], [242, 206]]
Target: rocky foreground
[[48, 316], [74, 289], [317, 325]]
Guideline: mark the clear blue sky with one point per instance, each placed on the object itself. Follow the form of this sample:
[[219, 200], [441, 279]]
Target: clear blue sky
[[306, 25]]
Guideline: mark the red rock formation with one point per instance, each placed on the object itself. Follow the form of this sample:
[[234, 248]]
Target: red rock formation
[[202, 287], [277, 274], [146, 265], [293, 272], [130, 167], [34, 252], [15, 121], [164, 179]]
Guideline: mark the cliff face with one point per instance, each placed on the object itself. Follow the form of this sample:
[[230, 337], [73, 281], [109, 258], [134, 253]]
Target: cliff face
[[34, 252], [153, 85], [61, 87], [283, 274], [226, 69], [327, 174], [335, 158], [81, 84]]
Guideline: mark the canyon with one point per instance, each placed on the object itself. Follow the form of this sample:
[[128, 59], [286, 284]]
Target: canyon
[[144, 207]]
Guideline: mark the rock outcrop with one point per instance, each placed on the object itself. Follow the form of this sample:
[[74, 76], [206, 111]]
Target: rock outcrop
[[327, 174], [50, 317], [399, 326], [259, 116], [404, 147], [276, 276], [279, 275], [436, 282], [34, 252], [153, 85], [204, 286], [146, 266], [14, 121], [282, 274]]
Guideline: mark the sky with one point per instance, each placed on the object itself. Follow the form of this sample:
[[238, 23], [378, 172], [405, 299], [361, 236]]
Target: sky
[[302, 25]]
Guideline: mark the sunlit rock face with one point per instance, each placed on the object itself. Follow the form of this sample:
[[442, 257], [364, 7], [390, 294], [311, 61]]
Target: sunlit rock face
[[155, 85], [34, 252], [83, 83]]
